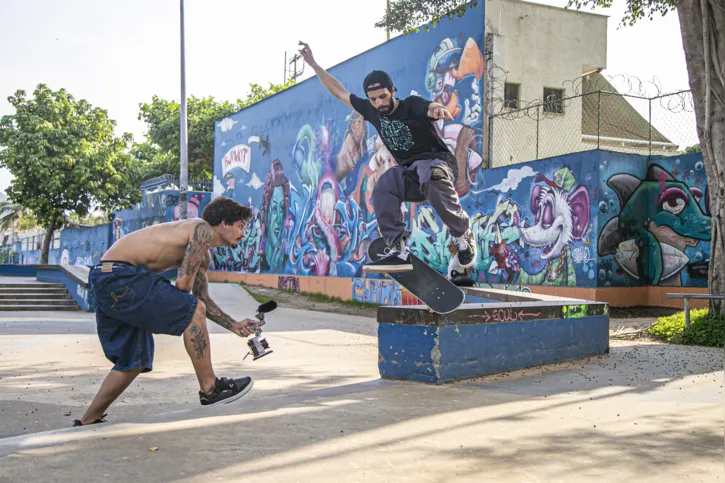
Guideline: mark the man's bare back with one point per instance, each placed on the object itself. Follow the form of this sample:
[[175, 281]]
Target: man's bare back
[[158, 247]]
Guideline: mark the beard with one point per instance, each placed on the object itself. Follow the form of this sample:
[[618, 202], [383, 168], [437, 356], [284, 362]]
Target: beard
[[388, 108]]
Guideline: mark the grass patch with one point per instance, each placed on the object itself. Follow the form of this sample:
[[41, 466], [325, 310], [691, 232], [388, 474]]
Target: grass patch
[[318, 297], [312, 297], [257, 296], [705, 329]]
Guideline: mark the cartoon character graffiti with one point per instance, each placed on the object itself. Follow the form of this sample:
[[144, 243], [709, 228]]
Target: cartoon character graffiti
[[498, 237], [659, 218], [192, 207], [448, 65], [561, 217], [353, 145], [275, 201]]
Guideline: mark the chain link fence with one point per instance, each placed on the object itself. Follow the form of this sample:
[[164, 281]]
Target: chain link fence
[[662, 125]]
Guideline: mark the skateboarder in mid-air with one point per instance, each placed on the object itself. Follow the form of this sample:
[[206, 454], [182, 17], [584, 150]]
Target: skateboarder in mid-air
[[426, 169]]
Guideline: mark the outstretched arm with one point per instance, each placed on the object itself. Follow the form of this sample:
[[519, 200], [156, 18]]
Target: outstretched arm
[[192, 274], [332, 85], [214, 312], [438, 111]]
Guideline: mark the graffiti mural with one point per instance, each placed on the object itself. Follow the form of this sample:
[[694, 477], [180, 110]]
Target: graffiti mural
[[377, 291], [288, 284], [306, 164], [655, 222], [157, 207]]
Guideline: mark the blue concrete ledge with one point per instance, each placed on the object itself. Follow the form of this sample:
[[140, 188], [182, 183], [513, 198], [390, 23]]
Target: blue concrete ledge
[[481, 339], [17, 270], [74, 278]]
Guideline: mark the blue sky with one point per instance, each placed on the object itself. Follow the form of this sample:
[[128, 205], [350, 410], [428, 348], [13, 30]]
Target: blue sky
[[119, 54]]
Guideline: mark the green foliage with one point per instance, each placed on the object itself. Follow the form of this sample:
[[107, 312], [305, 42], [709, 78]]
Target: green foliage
[[695, 148], [92, 219], [636, 9], [64, 157], [705, 329], [161, 152], [407, 15], [9, 215], [8, 255]]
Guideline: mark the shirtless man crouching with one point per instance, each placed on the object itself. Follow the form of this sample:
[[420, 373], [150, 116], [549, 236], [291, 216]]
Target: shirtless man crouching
[[133, 302]]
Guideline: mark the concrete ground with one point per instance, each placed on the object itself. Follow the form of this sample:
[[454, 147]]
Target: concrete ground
[[320, 412]]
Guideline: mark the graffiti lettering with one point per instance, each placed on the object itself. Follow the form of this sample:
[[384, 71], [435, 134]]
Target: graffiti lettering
[[288, 284], [507, 315]]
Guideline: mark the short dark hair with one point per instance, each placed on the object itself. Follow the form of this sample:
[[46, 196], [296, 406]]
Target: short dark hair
[[226, 210]]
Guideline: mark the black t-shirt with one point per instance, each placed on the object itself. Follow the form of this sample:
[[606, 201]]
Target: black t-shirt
[[408, 133]]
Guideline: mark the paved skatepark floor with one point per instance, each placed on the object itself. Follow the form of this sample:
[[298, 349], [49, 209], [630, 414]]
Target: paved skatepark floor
[[320, 412]]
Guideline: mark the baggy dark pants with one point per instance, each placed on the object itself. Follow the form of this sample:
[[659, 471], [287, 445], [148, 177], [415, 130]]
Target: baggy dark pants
[[426, 179]]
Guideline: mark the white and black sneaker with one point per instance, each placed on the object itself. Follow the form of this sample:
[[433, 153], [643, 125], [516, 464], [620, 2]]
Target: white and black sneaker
[[467, 250], [226, 391], [396, 259]]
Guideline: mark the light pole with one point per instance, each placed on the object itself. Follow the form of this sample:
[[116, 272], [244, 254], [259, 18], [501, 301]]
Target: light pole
[[184, 161]]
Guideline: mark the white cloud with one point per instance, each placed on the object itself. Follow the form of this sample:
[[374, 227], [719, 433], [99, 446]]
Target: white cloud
[[218, 188], [227, 124], [511, 182], [255, 182]]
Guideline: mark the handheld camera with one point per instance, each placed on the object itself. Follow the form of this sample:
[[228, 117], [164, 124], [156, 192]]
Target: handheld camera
[[260, 347]]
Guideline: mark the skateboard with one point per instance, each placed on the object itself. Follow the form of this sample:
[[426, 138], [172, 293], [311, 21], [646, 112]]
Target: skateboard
[[437, 292]]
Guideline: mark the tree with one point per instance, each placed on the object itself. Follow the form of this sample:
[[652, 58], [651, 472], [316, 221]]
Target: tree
[[702, 26], [65, 159], [9, 215], [160, 153]]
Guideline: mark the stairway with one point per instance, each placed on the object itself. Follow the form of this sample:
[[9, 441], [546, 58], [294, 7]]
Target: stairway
[[27, 294]]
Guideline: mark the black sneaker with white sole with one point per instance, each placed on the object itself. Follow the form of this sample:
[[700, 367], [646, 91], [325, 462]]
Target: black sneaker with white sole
[[467, 250], [226, 391], [394, 261]]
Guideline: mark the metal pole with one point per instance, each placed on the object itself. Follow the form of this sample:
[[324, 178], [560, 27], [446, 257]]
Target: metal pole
[[387, 28], [537, 132], [687, 313], [599, 117], [650, 127], [184, 161]]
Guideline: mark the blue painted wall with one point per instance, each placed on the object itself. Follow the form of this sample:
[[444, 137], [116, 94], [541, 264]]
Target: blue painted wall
[[157, 207], [654, 221], [306, 162], [84, 246]]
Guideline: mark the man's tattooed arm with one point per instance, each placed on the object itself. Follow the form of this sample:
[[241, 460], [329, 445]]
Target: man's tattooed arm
[[196, 255], [213, 312]]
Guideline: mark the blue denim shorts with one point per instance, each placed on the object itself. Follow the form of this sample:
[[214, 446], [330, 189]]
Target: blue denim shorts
[[132, 304]]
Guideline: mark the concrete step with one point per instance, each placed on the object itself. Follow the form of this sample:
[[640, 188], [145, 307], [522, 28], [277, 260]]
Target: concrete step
[[32, 285], [37, 296], [39, 308], [38, 302], [18, 290]]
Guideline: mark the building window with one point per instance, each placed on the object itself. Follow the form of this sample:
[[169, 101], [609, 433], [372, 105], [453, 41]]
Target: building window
[[553, 100], [24, 245], [56, 239], [511, 95]]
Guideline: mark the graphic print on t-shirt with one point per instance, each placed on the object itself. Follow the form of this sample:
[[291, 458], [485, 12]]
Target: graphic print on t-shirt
[[396, 133]]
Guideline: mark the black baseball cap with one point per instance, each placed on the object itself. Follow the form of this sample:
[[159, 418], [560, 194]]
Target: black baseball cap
[[377, 79]]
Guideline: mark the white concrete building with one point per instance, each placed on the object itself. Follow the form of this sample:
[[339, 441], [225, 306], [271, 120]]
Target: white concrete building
[[546, 56]]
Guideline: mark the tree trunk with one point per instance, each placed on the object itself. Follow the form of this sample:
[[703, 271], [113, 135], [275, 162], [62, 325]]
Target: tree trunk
[[704, 45], [46, 242]]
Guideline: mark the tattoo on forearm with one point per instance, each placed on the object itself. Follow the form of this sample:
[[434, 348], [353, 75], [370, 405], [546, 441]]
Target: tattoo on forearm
[[198, 341], [197, 250], [213, 312]]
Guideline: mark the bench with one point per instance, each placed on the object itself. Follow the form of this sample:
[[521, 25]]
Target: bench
[[688, 296]]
